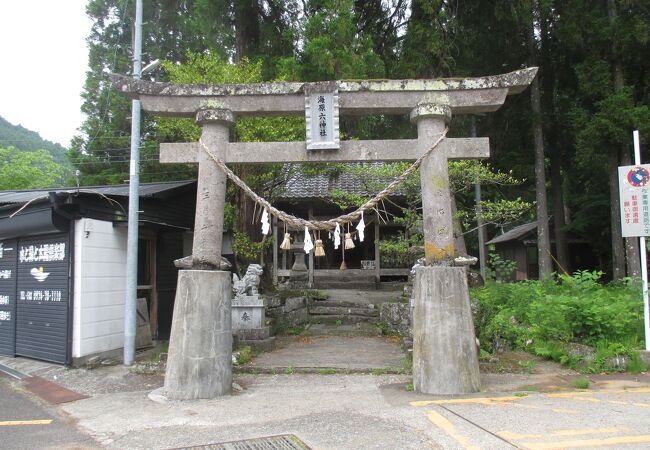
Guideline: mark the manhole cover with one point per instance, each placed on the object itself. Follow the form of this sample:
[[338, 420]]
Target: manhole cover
[[283, 442]]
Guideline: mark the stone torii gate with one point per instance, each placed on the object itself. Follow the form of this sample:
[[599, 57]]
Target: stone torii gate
[[445, 356]]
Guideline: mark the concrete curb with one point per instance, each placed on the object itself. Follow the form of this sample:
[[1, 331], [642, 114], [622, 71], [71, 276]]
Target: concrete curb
[[12, 372]]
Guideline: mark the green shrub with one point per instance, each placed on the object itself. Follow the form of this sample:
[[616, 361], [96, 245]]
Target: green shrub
[[543, 316]]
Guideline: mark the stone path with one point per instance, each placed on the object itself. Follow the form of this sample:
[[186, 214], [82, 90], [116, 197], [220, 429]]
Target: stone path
[[345, 347]]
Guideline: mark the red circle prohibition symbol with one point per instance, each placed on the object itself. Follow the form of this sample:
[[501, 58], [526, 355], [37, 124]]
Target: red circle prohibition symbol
[[638, 177]]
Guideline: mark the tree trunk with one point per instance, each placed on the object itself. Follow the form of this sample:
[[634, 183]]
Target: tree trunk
[[632, 255], [559, 219], [543, 241], [618, 249], [247, 28], [551, 128]]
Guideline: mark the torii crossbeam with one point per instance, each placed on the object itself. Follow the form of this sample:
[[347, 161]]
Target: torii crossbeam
[[445, 358]]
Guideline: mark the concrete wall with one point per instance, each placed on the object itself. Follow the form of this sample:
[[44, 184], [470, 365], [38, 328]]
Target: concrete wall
[[99, 287]]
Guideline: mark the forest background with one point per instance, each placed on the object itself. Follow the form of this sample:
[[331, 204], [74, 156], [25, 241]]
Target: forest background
[[563, 138]]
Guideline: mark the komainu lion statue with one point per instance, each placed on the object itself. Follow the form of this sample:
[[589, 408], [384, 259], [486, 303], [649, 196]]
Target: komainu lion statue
[[249, 283]]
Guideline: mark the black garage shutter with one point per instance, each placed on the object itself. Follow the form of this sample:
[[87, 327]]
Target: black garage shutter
[[8, 297], [42, 297]]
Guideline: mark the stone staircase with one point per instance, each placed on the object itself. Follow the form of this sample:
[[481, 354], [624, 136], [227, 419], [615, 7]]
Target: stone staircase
[[332, 311], [349, 306]]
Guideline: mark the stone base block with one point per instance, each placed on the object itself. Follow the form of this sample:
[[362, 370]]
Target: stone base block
[[199, 364], [645, 357], [264, 345], [445, 359], [253, 334]]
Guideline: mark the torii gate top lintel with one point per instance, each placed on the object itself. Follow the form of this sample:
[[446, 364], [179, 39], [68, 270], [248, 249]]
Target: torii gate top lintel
[[463, 95], [430, 103]]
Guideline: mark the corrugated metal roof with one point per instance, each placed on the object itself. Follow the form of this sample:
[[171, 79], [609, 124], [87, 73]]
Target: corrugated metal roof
[[120, 190], [301, 186], [515, 233]]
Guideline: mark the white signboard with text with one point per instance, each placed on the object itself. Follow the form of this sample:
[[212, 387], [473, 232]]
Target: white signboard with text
[[634, 190]]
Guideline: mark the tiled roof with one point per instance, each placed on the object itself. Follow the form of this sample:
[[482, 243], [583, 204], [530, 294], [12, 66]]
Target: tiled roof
[[303, 186], [515, 233]]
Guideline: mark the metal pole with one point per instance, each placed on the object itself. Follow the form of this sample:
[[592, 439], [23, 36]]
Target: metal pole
[[644, 267], [479, 209], [130, 304]]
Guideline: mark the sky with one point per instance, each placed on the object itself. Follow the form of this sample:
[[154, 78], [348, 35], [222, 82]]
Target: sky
[[43, 60]]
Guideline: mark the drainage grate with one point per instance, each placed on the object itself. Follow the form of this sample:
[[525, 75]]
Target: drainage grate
[[282, 442]]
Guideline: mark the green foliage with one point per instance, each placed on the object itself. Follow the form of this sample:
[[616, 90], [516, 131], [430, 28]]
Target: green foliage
[[500, 270], [545, 316], [245, 355], [333, 48], [23, 139], [29, 170], [248, 251], [400, 251], [386, 329], [635, 363]]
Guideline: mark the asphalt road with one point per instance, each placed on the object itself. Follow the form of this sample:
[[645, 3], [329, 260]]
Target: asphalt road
[[344, 412], [25, 423]]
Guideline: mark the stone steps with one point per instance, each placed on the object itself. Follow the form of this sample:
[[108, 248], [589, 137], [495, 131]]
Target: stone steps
[[364, 311], [340, 318], [343, 284]]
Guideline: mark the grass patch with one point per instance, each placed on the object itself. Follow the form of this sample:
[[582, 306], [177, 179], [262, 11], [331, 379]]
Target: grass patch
[[283, 327], [327, 371], [289, 370], [530, 388], [409, 387], [636, 364], [580, 383], [407, 362], [386, 330], [245, 355], [379, 371], [528, 366], [521, 394]]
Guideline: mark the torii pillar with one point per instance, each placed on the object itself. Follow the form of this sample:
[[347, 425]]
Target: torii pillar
[[445, 359], [445, 356], [199, 364]]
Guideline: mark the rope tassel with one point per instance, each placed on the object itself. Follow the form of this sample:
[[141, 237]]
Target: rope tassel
[[349, 244], [286, 242], [319, 250]]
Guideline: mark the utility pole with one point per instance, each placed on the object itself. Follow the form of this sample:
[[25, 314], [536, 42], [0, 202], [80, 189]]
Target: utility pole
[[130, 304]]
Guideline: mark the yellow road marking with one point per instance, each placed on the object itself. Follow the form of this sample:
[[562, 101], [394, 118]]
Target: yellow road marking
[[478, 400], [572, 394], [616, 402], [586, 399], [565, 411], [516, 436], [642, 405], [11, 423], [450, 429], [642, 439], [589, 431]]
